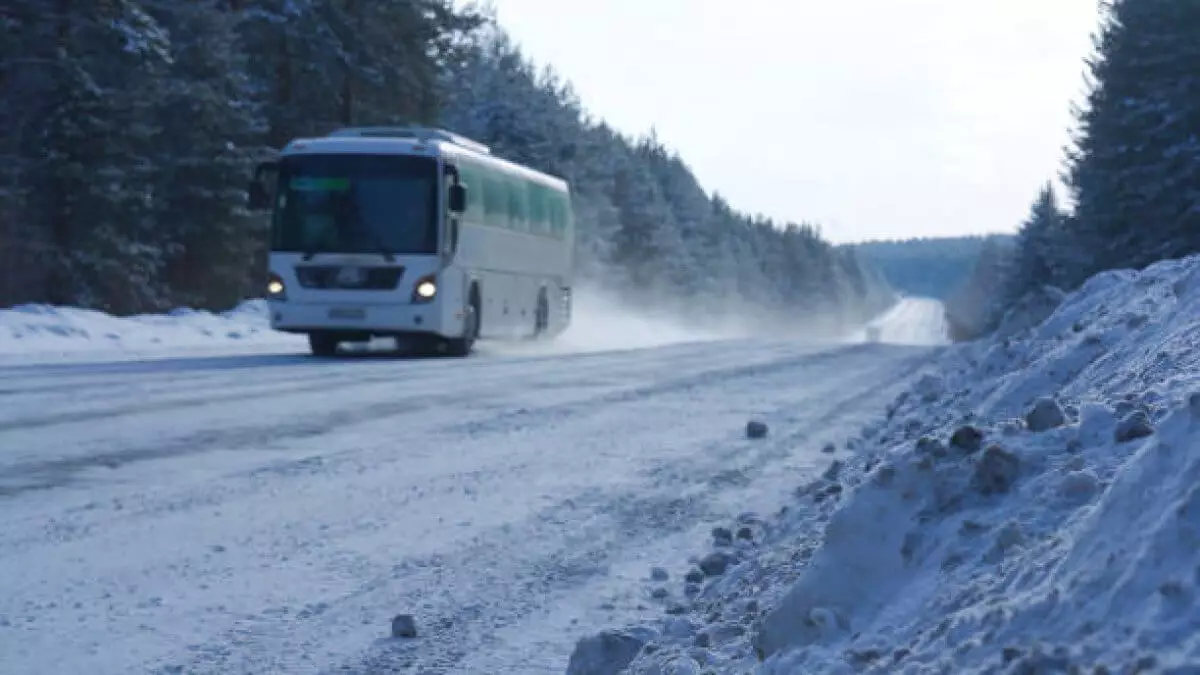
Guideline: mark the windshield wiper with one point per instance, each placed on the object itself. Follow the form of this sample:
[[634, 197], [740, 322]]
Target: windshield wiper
[[380, 247]]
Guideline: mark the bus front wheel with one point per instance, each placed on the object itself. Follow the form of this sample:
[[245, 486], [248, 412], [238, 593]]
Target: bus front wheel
[[322, 344], [462, 346]]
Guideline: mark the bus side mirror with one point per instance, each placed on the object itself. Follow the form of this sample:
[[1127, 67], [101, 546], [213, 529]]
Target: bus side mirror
[[257, 196], [458, 198]]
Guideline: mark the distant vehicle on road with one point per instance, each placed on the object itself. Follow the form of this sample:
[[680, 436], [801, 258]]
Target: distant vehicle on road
[[415, 233]]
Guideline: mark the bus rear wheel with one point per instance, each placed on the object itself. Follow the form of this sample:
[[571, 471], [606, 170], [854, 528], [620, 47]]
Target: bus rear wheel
[[541, 321]]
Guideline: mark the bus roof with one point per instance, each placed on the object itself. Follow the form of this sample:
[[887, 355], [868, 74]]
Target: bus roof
[[414, 141]]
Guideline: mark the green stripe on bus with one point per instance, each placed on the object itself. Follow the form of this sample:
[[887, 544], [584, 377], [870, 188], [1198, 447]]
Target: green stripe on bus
[[309, 184]]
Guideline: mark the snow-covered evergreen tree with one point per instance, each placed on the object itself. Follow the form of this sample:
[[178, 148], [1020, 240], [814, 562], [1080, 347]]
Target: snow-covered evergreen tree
[[210, 244], [1136, 165], [1040, 249], [88, 133]]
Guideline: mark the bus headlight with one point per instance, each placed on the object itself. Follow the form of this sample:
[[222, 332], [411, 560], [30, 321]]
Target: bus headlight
[[426, 289], [275, 288]]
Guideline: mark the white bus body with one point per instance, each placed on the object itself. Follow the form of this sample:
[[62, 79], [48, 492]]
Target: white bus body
[[417, 234]]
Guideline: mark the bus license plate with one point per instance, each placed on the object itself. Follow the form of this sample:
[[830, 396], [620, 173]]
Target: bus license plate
[[350, 313]]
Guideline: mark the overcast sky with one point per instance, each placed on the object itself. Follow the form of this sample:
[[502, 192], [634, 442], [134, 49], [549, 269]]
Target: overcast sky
[[872, 118]]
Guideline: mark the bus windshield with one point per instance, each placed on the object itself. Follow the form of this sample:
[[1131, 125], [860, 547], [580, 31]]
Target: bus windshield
[[356, 203]]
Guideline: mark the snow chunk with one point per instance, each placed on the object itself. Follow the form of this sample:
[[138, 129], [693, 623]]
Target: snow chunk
[[714, 564], [996, 471], [1047, 414], [722, 536], [930, 387], [607, 653], [967, 438], [1136, 425], [404, 626], [1080, 484], [1097, 424], [679, 628], [756, 429]]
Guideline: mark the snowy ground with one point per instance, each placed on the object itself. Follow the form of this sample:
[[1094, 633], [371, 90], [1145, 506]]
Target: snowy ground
[[255, 513], [1031, 506], [40, 333]]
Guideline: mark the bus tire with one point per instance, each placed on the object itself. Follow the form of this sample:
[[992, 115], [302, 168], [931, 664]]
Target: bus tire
[[541, 321], [323, 344], [462, 346]]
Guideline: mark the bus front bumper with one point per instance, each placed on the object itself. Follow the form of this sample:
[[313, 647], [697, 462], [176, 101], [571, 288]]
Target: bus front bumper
[[366, 319]]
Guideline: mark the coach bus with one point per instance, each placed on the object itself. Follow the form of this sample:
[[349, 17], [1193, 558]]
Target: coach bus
[[415, 233]]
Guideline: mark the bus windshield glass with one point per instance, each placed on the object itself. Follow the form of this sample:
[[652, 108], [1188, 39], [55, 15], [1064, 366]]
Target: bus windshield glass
[[356, 203]]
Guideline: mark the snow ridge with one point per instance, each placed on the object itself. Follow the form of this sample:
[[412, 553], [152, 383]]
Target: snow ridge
[[45, 331], [1031, 505]]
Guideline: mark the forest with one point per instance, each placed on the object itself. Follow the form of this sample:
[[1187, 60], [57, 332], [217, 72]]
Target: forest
[[929, 267], [1131, 171], [133, 126]]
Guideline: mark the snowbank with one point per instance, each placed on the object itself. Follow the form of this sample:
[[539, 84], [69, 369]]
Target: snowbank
[[42, 331], [1031, 505]]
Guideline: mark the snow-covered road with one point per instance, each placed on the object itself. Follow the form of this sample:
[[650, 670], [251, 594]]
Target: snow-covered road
[[912, 321], [270, 514]]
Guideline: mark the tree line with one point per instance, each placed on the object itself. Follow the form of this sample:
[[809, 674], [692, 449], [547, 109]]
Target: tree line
[[1132, 170], [928, 267], [133, 125]]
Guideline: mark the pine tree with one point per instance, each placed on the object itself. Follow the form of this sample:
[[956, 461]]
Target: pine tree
[[27, 70], [93, 139], [1039, 250], [212, 247], [1136, 163]]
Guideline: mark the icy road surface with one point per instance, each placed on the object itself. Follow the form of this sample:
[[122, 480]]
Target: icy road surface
[[270, 514], [912, 321]]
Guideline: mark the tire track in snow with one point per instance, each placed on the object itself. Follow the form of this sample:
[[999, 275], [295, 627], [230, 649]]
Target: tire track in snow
[[142, 398], [532, 418], [489, 387]]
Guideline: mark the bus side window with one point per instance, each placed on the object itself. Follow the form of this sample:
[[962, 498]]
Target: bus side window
[[557, 215], [518, 205], [496, 204], [537, 207]]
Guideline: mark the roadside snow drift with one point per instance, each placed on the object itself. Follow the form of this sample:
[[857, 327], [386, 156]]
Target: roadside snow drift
[[1031, 505], [41, 330]]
